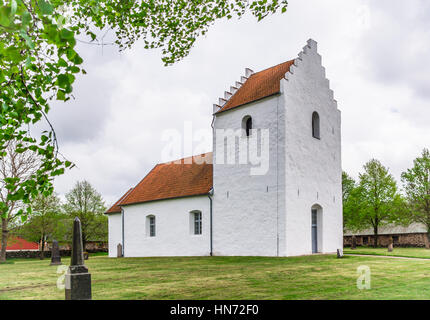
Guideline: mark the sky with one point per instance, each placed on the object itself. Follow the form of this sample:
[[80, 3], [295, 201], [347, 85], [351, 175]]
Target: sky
[[376, 55]]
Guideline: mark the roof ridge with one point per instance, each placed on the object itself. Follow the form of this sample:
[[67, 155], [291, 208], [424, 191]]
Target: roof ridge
[[276, 65], [197, 155], [257, 86], [167, 181], [124, 196]]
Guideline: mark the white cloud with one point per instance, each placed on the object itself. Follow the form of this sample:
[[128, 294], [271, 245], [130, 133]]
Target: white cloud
[[375, 55]]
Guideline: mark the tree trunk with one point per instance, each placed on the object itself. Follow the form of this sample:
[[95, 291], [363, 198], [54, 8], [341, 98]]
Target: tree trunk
[[375, 232], [4, 234], [84, 242], [42, 252], [428, 240]]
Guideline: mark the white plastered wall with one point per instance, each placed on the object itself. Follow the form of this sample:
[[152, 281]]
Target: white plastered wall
[[115, 233], [248, 219], [174, 236], [313, 166]]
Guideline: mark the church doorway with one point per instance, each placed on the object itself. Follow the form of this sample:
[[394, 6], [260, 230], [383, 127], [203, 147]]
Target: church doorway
[[316, 228], [314, 231]]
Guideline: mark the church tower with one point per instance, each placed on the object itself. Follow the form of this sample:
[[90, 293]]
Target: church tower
[[277, 162]]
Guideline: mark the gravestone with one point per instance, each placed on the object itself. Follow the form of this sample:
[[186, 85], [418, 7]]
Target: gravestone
[[55, 254], [340, 253], [86, 255], [390, 245], [119, 250], [353, 242], [78, 279]]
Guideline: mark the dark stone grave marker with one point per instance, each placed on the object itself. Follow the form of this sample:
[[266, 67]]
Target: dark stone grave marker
[[78, 279], [119, 251], [55, 254]]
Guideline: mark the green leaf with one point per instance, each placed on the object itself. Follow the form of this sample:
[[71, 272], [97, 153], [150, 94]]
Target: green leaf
[[28, 62], [13, 7], [15, 55], [77, 59], [75, 69], [63, 81], [61, 95], [45, 7], [25, 18], [2, 77], [62, 63], [70, 54], [5, 16], [66, 34], [28, 40]]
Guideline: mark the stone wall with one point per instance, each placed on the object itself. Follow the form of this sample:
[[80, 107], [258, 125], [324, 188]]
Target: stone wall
[[399, 240], [47, 253], [34, 254], [90, 246]]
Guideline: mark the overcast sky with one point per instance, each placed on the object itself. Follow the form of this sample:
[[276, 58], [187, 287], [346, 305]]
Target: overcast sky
[[377, 58]]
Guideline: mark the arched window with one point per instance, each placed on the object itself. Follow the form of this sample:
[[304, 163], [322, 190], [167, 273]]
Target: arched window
[[196, 222], [315, 125], [247, 125], [150, 226]]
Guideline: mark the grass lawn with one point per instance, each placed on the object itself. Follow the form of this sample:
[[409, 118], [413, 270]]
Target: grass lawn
[[397, 252], [310, 277]]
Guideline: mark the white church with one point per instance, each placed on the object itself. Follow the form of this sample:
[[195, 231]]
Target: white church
[[207, 205]]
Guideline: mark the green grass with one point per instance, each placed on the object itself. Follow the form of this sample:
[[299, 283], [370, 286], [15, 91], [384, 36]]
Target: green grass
[[308, 277], [397, 252]]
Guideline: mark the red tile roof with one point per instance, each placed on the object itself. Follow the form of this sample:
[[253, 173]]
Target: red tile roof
[[17, 243], [259, 85], [116, 208], [180, 178]]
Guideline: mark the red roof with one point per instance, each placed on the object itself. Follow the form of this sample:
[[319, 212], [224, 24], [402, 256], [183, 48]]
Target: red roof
[[17, 243], [258, 86], [180, 178], [116, 208]]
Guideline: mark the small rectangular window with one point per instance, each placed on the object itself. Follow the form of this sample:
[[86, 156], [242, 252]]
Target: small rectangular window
[[314, 217], [152, 226], [197, 223]]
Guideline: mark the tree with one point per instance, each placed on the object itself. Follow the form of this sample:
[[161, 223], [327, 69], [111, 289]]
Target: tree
[[20, 166], [39, 61], [348, 185], [375, 201], [416, 183], [84, 202], [45, 222]]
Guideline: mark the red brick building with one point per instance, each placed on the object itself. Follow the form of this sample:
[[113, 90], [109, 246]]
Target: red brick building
[[414, 235]]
